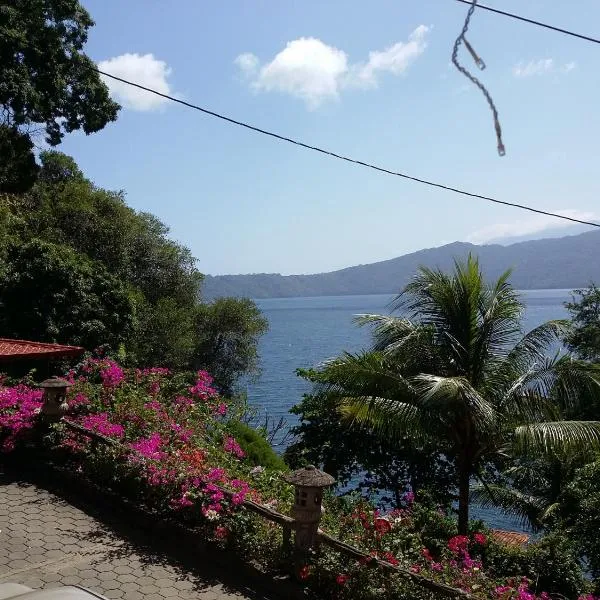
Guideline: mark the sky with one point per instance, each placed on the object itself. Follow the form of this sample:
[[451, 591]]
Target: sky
[[371, 80]]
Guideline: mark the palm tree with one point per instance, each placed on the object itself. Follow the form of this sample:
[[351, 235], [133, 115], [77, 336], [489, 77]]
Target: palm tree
[[458, 369]]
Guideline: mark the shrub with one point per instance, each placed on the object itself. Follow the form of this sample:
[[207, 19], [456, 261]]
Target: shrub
[[257, 449]]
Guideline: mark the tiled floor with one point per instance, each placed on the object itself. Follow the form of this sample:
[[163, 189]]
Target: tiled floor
[[46, 542]]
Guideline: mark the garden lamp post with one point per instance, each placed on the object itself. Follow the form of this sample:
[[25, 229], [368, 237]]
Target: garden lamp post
[[309, 483], [55, 397]]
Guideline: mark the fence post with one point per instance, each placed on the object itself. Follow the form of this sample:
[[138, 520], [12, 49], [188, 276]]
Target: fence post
[[309, 484]]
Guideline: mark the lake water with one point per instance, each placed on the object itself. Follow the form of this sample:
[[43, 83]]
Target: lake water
[[305, 331]]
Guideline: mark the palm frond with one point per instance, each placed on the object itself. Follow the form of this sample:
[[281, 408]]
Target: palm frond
[[528, 509], [454, 395], [389, 419], [363, 375], [534, 345], [557, 436]]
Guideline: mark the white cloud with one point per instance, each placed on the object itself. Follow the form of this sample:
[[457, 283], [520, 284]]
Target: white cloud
[[533, 225], [143, 69], [543, 66], [315, 72], [248, 63], [533, 67]]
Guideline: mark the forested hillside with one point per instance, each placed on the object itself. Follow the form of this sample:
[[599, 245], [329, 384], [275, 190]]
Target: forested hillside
[[81, 267], [567, 262]]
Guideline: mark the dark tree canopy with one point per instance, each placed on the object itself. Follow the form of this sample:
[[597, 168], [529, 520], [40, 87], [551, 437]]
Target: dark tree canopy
[[584, 338], [45, 78], [52, 294], [18, 169]]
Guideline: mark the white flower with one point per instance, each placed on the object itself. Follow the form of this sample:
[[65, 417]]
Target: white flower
[[257, 470], [212, 515]]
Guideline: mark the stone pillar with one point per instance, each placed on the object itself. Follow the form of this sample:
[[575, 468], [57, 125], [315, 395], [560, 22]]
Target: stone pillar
[[309, 484], [55, 397]]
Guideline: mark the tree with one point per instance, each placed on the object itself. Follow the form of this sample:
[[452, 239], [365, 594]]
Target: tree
[[460, 371], [584, 338], [18, 169], [580, 508], [52, 294], [358, 456], [45, 77], [228, 330]]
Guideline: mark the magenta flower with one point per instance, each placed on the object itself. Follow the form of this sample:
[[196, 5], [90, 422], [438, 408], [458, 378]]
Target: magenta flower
[[149, 447], [111, 374], [100, 422], [230, 445]]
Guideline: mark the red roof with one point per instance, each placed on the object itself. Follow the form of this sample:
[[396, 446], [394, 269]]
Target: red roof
[[510, 538], [17, 349]]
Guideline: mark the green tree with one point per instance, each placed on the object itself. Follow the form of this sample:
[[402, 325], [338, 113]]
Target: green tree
[[52, 294], [460, 371], [584, 338], [358, 456], [228, 330], [580, 509], [45, 77], [18, 169]]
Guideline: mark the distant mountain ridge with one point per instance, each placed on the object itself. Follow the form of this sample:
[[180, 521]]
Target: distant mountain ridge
[[567, 262]]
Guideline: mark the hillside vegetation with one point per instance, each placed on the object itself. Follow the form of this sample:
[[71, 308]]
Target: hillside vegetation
[[567, 262]]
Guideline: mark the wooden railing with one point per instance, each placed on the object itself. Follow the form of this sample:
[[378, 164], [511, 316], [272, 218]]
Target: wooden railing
[[288, 524]]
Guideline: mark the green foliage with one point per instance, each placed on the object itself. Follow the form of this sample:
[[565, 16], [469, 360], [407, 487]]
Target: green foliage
[[52, 294], [167, 323], [349, 452], [584, 338], [580, 512], [18, 169], [228, 330], [550, 563], [45, 77], [257, 449], [458, 373]]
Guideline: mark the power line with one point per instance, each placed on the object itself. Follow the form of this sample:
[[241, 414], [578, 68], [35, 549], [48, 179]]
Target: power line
[[341, 156], [534, 22]]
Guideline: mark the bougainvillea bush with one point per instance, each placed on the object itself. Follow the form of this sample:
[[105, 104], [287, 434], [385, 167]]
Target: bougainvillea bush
[[173, 452]]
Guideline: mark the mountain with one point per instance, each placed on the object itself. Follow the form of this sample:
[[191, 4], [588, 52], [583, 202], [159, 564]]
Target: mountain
[[567, 262]]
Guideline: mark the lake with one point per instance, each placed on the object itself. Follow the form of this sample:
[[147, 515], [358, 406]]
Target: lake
[[305, 331]]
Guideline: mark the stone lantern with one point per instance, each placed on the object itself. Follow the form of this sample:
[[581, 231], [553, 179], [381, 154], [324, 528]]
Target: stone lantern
[[309, 483], [55, 397]]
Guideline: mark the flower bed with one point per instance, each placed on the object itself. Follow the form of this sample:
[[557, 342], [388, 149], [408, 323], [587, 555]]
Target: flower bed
[[175, 455]]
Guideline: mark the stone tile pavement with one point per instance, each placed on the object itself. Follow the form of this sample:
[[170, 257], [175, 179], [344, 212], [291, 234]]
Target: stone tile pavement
[[46, 542]]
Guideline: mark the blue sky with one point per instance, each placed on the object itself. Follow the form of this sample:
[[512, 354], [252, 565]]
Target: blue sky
[[371, 80]]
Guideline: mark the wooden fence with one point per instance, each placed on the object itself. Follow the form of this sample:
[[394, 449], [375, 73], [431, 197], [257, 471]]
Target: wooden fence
[[288, 524]]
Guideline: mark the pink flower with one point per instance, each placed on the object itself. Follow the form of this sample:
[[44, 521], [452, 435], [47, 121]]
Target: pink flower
[[203, 387], [458, 544], [479, 538], [231, 446], [100, 422], [111, 374], [341, 579], [221, 409], [390, 558], [426, 554], [221, 532], [382, 525], [415, 568], [436, 566], [149, 447]]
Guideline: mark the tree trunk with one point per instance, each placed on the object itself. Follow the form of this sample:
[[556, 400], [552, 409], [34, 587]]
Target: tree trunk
[[464, 477]]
